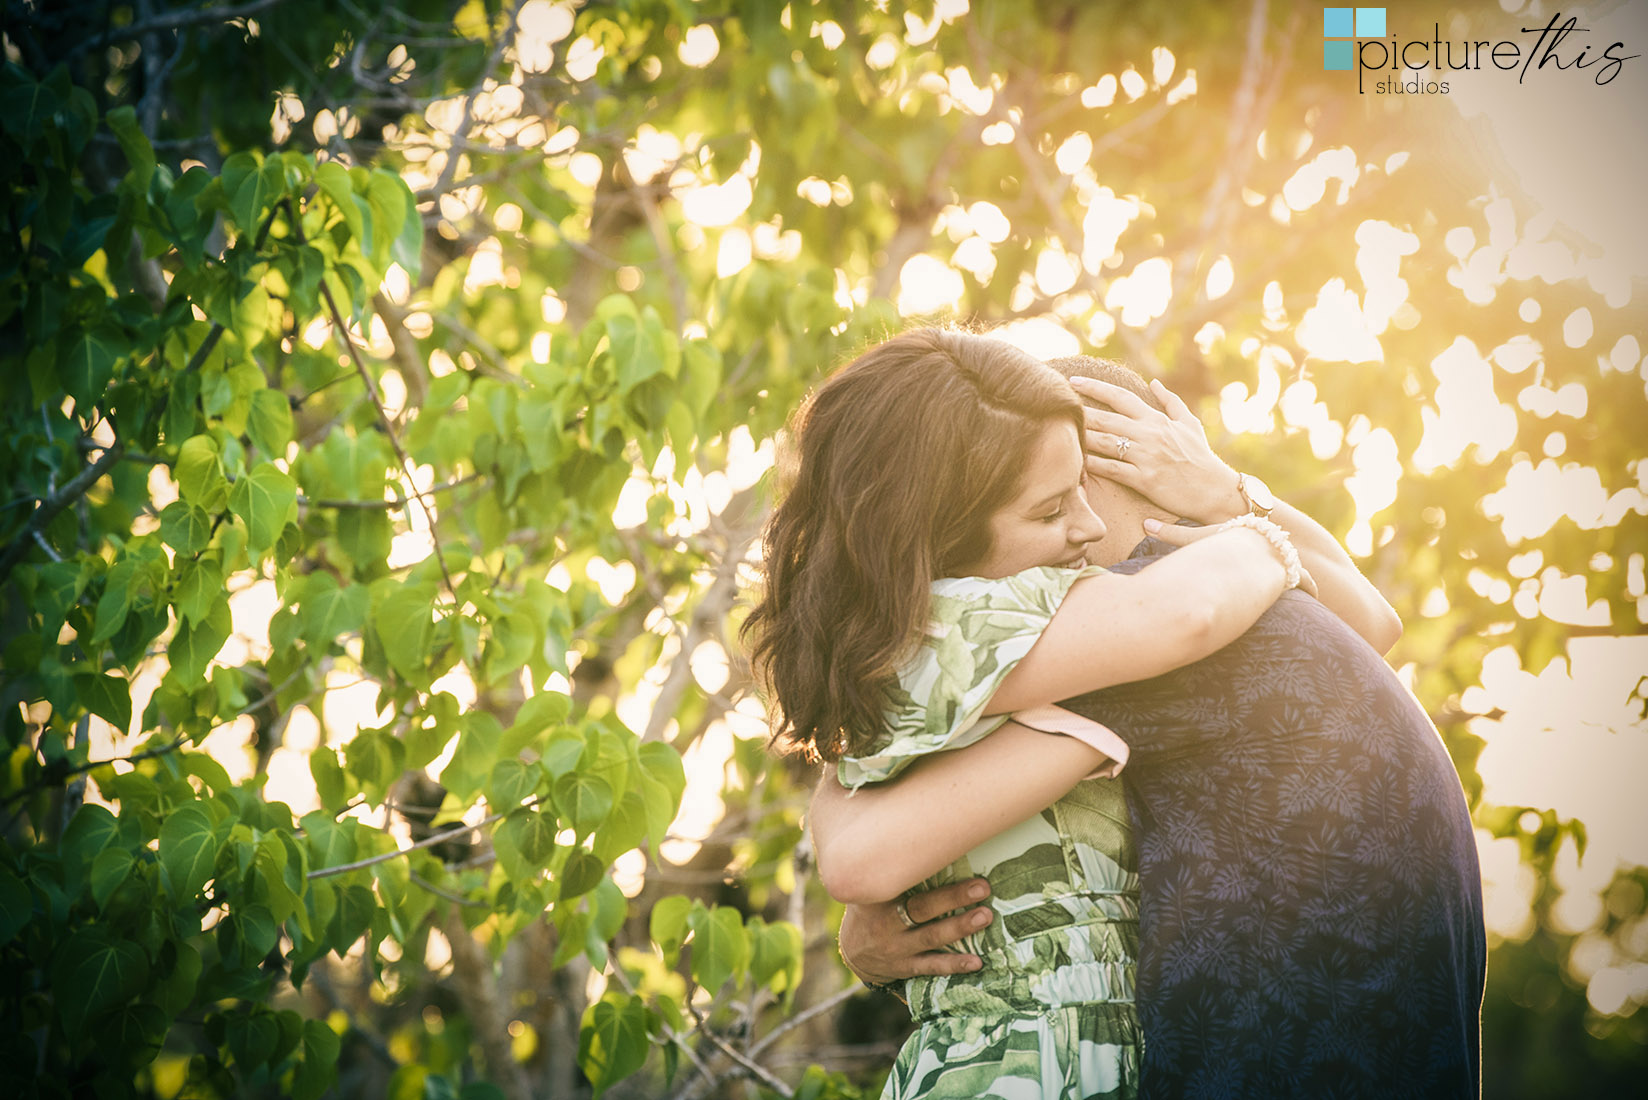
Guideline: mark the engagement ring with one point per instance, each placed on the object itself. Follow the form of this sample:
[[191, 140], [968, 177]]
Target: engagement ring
[[1122, 444]]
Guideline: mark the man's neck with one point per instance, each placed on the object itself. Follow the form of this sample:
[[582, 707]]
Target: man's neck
[[1124, 531]]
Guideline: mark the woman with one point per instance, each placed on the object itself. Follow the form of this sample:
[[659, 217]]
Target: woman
[[925, 577], [1311, 918]]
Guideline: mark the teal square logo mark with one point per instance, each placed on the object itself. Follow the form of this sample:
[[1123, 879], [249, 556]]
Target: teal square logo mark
[[1341, 27]]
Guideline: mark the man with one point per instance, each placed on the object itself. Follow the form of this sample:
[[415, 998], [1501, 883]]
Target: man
[[1311, 922]]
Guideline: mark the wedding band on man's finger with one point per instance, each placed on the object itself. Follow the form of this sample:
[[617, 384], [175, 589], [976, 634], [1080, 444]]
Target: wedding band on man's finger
[[904, 915]]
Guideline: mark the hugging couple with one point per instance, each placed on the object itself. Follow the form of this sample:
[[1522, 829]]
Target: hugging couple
[[1119, 788]]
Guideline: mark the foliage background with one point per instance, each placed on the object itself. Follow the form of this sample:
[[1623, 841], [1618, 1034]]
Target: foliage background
[[388, 393]]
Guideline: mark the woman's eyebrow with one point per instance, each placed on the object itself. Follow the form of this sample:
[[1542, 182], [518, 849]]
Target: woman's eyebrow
[[1050, 499]]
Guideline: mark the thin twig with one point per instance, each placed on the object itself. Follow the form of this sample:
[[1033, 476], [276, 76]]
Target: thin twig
[[751, 1068], [341, 330], [456, 899], [800, 1018], [387, 505], [426, 842], [171, 21], [450, 168]]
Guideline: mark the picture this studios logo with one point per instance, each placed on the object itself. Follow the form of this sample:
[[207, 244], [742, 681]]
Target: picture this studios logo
[[1357, 39]]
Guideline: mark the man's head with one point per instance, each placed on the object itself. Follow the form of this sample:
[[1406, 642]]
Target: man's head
[[1122, 510]]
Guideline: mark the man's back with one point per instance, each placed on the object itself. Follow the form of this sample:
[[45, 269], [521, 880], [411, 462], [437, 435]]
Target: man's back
[[1312, 920]]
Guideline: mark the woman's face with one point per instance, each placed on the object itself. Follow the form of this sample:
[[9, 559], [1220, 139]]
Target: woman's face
[[1049, 521]]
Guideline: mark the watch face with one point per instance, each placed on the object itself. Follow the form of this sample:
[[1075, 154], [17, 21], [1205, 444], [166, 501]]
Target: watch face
[[1259, 496]]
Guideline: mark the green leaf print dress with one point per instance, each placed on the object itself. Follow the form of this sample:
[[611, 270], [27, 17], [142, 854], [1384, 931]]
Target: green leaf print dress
[[1051, 1015]]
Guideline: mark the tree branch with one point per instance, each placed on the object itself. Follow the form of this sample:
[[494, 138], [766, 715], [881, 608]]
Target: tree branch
[[750, 1067], [171, 21], [426, 842]]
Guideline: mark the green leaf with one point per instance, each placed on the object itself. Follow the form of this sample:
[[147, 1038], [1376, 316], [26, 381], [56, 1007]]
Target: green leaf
[[108, 696], [137, 1032], [668, 925], [365, 535], [140, 158], [199, 472], [90, 831], [207, 770], [269, 422], [26, 109], [612, 1040], [188, 851], [401, 618], [775, 958], [87, 368], [195, 644], [524, 841], [663, 779], [93, 973], [356, 906], [198, 585], [255, 194], [333, 180], [624, 829], [720, 949], [57, 588], [252, 1038], [376, 758], [319, 1067], [542, 712], [510, 645], [510, 782], [256, 930], [584, 799], [580, 874], [408, 247], [472, 759], [16, 906], [265, 499], [185, 528], [330, 783], [701, 378], [386, 195], [109, 871], [174, 992], [562, 754], [327, 612], [330, 842]]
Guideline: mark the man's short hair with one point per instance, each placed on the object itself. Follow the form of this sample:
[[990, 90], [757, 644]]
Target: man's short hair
[[1106, 370]]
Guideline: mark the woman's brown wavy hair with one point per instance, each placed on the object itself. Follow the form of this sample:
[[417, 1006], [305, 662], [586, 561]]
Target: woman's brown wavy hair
[[897, 462]]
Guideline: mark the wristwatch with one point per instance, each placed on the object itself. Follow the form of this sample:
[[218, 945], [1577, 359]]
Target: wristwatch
[[1256, 495]]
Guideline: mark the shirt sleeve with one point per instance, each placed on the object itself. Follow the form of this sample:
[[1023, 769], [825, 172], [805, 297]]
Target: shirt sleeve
[[979, 631]]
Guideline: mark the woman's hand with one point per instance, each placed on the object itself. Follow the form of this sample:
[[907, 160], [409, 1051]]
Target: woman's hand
[[1165, 456], [878, 947]]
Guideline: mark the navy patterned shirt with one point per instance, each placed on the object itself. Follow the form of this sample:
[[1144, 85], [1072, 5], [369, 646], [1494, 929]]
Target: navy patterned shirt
[[1311, 923]]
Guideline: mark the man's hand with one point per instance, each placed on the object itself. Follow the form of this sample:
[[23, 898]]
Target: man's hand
[[1165, 457], [878, 948]]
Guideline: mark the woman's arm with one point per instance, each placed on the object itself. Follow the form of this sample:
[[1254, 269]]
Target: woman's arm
[[1171, 464], [1116, 628], [879, 842]]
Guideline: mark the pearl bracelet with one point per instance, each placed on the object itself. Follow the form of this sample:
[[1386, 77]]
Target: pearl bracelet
[[1277, 538]]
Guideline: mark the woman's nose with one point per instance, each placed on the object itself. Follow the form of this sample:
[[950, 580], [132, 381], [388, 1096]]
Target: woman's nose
[[1086, 526]]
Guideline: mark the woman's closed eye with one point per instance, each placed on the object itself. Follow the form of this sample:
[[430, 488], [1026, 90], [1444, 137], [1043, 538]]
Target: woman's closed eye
[[1053, 517]]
